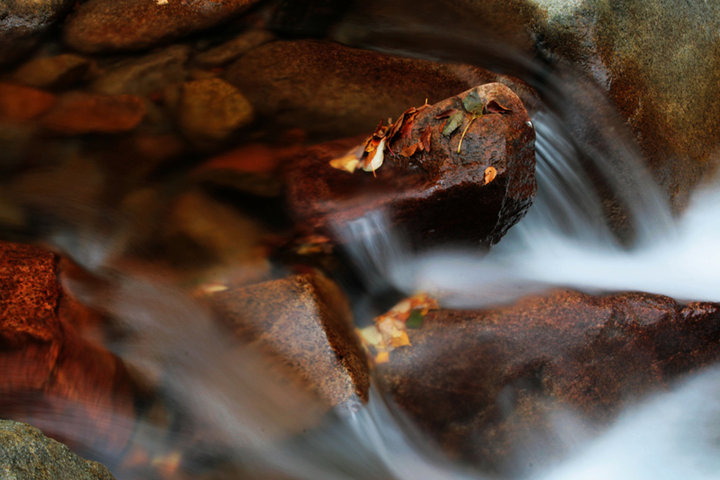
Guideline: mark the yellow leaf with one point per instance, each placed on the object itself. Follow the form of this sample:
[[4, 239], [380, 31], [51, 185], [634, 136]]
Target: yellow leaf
[[490, 174]]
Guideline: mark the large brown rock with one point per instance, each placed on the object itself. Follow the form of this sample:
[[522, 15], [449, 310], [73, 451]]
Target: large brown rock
[[487, 384], [58, 71], [19, 103], [304, 323], [329, 89], [448, 174], [106, 25], [51, 375]]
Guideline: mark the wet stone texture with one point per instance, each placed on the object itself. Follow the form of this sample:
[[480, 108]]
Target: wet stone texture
[[449, 174], [53, 72], [79, 113], [23, 21], [329, 89], [304, 323], [488, 384], [27, 454], [49, 370], [107, 25]]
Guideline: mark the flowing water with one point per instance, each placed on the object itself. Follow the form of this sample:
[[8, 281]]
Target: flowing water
[[565, 240]]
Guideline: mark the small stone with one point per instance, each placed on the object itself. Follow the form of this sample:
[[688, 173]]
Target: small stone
[[430, 186], [226, 52], [27, 454], [79, 113], [211, 110], [304, 322], [60, 71], [107, 25], [20, 104], [145, 75]]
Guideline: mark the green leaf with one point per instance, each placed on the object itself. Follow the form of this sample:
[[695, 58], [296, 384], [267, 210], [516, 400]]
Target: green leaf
[[415, 320], [453, 123], [473, 103]]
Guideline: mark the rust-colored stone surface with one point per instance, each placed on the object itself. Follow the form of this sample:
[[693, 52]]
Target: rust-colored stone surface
[[329, 89], [486, 384], [58, 71], [79, 113], [20, 104], [107, 25], [441, 191], [304, 323], [52, 376]]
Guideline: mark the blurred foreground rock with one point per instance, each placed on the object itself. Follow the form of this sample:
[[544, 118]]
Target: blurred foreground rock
[[27, 454], [490, 385], [304, 323], [461, 170], [52, 376]]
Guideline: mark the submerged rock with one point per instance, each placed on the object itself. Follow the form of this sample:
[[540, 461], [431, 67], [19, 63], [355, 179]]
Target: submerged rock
[[212, 110], [20, 104], [489, 384], [144, 75], [461, 170], [326, 88], [59, 71], [27, 454], [304, 323], [52, 376], [230, 50], [78, 113], [107, 25]]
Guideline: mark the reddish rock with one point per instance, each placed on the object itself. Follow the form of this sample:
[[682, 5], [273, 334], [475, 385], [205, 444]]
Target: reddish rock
[[329, 89], [52, 376], [430, 186], [230, 50], [305, 324], [107, 25], [485, 383], [79, 113], [19, 103]]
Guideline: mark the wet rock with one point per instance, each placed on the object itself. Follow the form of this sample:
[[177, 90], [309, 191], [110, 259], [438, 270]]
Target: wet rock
[[305, 324], [23, 21], [488, 385], [230, 50], [106, 25], [27, 454], [358, 87], [79, 113], [52, 376], [145, 75], [211, 110], [20, 104], [56, 72], [449, 174]]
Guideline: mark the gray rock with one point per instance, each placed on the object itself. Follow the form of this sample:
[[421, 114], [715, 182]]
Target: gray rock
[[27, 454], [22, 21], [144, 75]]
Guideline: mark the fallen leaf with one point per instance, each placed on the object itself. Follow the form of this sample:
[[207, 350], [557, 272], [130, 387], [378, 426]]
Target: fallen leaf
[[415, 320], [374, 160], [348, 163], [425, 139], [490, 174], [453, 122], [473, 103], [409, 150], [494, 107]]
